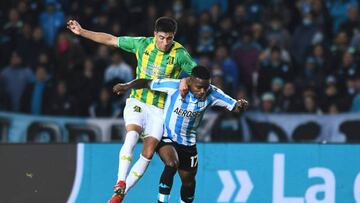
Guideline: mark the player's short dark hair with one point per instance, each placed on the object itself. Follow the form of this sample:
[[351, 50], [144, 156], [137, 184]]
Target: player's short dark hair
[[165, 24], [201, 72]]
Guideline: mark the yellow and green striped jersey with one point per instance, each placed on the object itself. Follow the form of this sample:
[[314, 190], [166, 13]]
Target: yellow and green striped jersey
[[155, 64]]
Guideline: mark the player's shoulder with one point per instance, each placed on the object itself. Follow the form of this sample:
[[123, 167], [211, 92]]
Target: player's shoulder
[[143, 40], [140, 39], [213, 90], [179, 47], [168, 81]]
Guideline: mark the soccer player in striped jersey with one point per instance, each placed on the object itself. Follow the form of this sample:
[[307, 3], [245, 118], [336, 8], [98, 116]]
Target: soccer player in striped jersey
[[182, 117], [157, 57]]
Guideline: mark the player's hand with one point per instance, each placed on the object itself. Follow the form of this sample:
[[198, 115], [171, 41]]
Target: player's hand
[[184, 88], [120, 88], [74, 26], [241, 105]]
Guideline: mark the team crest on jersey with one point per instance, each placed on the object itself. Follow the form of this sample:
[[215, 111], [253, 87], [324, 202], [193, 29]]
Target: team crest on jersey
[[137, 109], [200, 104]]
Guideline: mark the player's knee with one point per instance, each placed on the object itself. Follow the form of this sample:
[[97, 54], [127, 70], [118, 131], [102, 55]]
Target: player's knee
[[189, 180], [172, 163], [148, 153], [189, 183]]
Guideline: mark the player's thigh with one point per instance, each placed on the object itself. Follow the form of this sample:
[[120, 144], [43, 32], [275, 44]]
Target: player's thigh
[[168, 154], [188, 158], [134, 115], [154, 122], [149, 146]]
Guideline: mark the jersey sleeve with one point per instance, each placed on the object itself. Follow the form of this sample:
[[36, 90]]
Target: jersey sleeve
[[219, 98], [185, 61], [130, 44], [164, 85]]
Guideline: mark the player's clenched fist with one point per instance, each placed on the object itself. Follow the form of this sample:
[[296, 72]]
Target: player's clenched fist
[[74, 26], [241, 105]]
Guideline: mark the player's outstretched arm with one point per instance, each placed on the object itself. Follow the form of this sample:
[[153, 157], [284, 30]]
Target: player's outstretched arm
[[240, 105], [134, 84], [99, 37]]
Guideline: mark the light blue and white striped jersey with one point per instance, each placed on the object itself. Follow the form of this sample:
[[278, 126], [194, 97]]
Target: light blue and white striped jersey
[[183, 116]]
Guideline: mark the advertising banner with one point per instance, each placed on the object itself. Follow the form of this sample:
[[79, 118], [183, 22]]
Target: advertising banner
[[247, 173]]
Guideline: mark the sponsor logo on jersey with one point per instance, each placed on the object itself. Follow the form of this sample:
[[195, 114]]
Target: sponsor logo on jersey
[[186, 113], [200, 104]]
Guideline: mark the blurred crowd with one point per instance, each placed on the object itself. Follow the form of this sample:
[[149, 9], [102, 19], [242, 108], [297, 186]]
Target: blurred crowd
[[283, 56]]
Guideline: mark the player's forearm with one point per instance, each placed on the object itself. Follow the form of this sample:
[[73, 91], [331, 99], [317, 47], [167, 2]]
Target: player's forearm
[[139, 83], [99, 37]]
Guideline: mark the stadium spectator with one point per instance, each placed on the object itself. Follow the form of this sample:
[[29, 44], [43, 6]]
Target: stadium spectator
[[339, 46], [69, 56], [288, 101], [51, 20], [16, 76], [245, 53], [118, 71], [312, 74], [11, 31], [37, 46], [347, 67], [188, 29], [277, 85], [271, 68], [103, 107], [239, 16], [321, 55], [310, 102], [37, 93], [205, 43], [305, 35], [268, 103], [259, 34], [229, 69], [61, 103], [276, 32], [85, 85], [102, 59], [338, 10]]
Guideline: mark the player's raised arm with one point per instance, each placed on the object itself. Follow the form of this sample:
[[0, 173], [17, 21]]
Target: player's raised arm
[[99, 37], [134, 84]]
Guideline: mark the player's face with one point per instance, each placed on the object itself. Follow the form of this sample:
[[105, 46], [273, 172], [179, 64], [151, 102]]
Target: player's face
[[164, 40], [199, 87]]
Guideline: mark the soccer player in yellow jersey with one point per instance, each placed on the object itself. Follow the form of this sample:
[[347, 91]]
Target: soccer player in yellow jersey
[[157, 57]]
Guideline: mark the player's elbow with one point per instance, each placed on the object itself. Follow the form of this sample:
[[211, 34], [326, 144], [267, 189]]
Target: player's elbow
[[113, 41]]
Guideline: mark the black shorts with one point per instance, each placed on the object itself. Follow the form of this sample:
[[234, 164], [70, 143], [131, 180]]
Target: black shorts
[[188, 156]]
